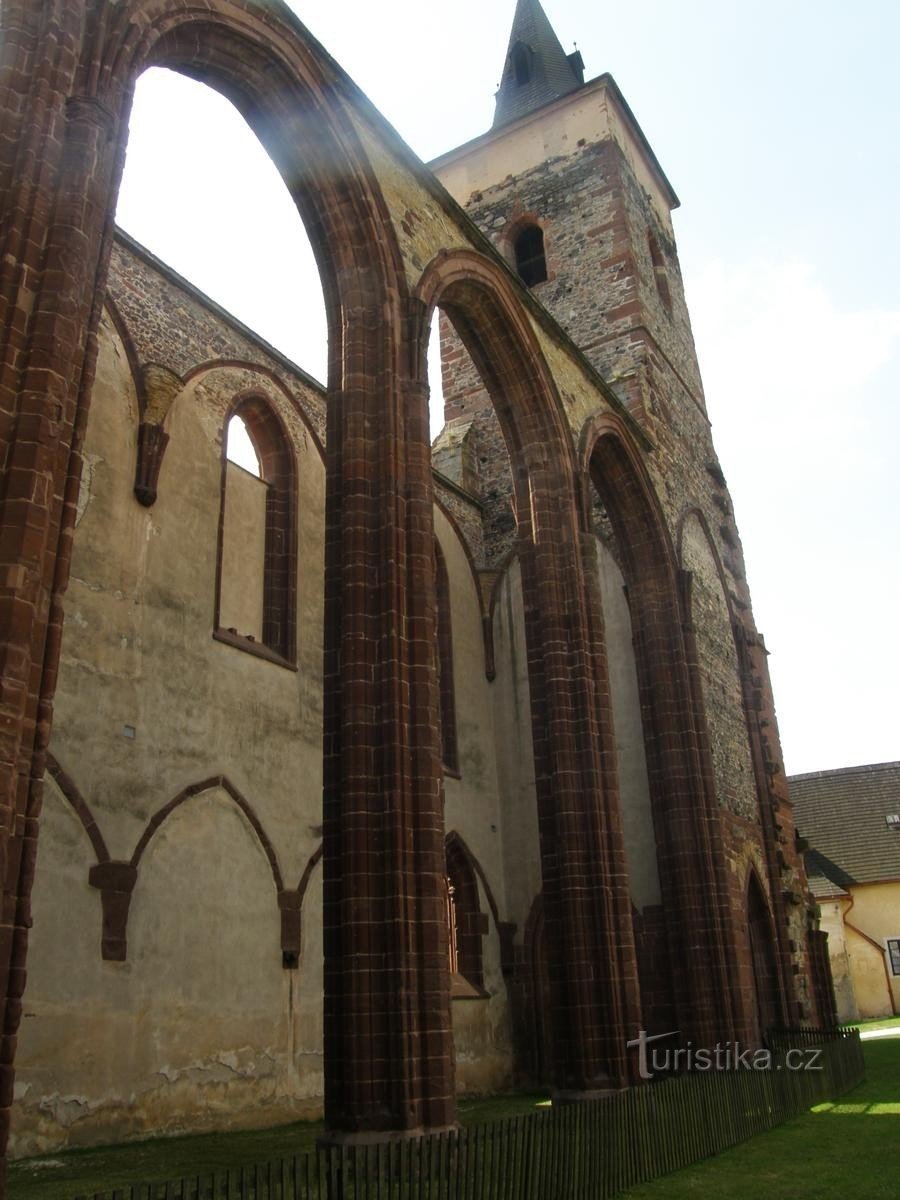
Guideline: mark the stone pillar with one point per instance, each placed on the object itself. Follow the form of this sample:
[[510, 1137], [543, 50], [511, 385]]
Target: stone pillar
[[592, 961], [388, 1040]]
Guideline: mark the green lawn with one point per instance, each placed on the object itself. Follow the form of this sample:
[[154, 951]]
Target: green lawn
[[844, 1151], [76, 1172], [879, 1023]]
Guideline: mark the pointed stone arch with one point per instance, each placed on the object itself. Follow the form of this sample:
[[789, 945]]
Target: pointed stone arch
[[582, 850], [536, 1049], [468, 924], [195, 789], [678, 759], [765, 1000], [482, 302], [745, 725]]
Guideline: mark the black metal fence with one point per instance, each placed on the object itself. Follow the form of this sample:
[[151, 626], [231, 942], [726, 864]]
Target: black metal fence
[[590, 1150]]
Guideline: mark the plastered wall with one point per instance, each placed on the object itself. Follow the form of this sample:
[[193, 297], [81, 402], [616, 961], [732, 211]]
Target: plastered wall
[[858, 928], [202, 1027]]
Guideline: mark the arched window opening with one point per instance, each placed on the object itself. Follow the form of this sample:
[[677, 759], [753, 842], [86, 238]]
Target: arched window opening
[[449, 747], [521, 63], [659, 271], [239, 447], [531, 262], [466, 924], [237, 200], [762, 959], [453, 938], [256, 593]]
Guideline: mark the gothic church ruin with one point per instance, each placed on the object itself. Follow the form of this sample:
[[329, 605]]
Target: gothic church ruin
[[475, 741]]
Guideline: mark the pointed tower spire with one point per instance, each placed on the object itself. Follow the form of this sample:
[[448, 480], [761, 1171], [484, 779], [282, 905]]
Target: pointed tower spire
[[537, 69]]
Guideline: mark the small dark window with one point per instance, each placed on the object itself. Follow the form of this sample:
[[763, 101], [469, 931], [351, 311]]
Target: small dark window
[[521, 61], [893, 945], [530, 261], [659, 271]]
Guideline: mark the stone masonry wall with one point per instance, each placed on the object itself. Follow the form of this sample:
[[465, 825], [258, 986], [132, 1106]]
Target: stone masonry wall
[[614, 284], [191, 769], [178, 328]]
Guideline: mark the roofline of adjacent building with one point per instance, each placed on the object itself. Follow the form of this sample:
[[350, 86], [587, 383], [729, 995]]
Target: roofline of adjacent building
[[840, 894], [864, 769], [600, 83]]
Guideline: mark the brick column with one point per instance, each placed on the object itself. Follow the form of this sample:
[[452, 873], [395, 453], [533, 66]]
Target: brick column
[[388, 1038], [54, 213], [592, 962]]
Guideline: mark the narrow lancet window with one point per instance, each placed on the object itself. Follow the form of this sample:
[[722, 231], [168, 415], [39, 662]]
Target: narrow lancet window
[[521, 62]]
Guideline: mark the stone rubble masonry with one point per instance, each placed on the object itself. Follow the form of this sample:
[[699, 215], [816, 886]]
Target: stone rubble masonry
[[175, 329]]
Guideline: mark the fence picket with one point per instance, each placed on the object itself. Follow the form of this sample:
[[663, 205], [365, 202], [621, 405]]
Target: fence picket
[[588, 1151]]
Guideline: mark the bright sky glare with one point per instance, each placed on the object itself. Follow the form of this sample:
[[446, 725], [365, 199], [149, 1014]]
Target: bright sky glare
[[777, 124]]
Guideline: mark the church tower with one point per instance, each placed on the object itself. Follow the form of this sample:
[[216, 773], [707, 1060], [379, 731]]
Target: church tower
[[569, 191]]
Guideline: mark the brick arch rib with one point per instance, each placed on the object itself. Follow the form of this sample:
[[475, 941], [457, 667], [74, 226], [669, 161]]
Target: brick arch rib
[[456, 842], [195, 789], [470, 922], [131, 354], [82, 809], [768, 1001], [290, 903], [314, 859], [153, 435], [267, 377]]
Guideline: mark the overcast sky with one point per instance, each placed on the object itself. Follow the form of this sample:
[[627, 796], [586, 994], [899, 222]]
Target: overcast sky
[[777, 124]]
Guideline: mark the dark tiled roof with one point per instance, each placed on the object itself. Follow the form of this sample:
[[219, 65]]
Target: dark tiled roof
[[825, 877], [552, 73], [822, 888], [842, 816]]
